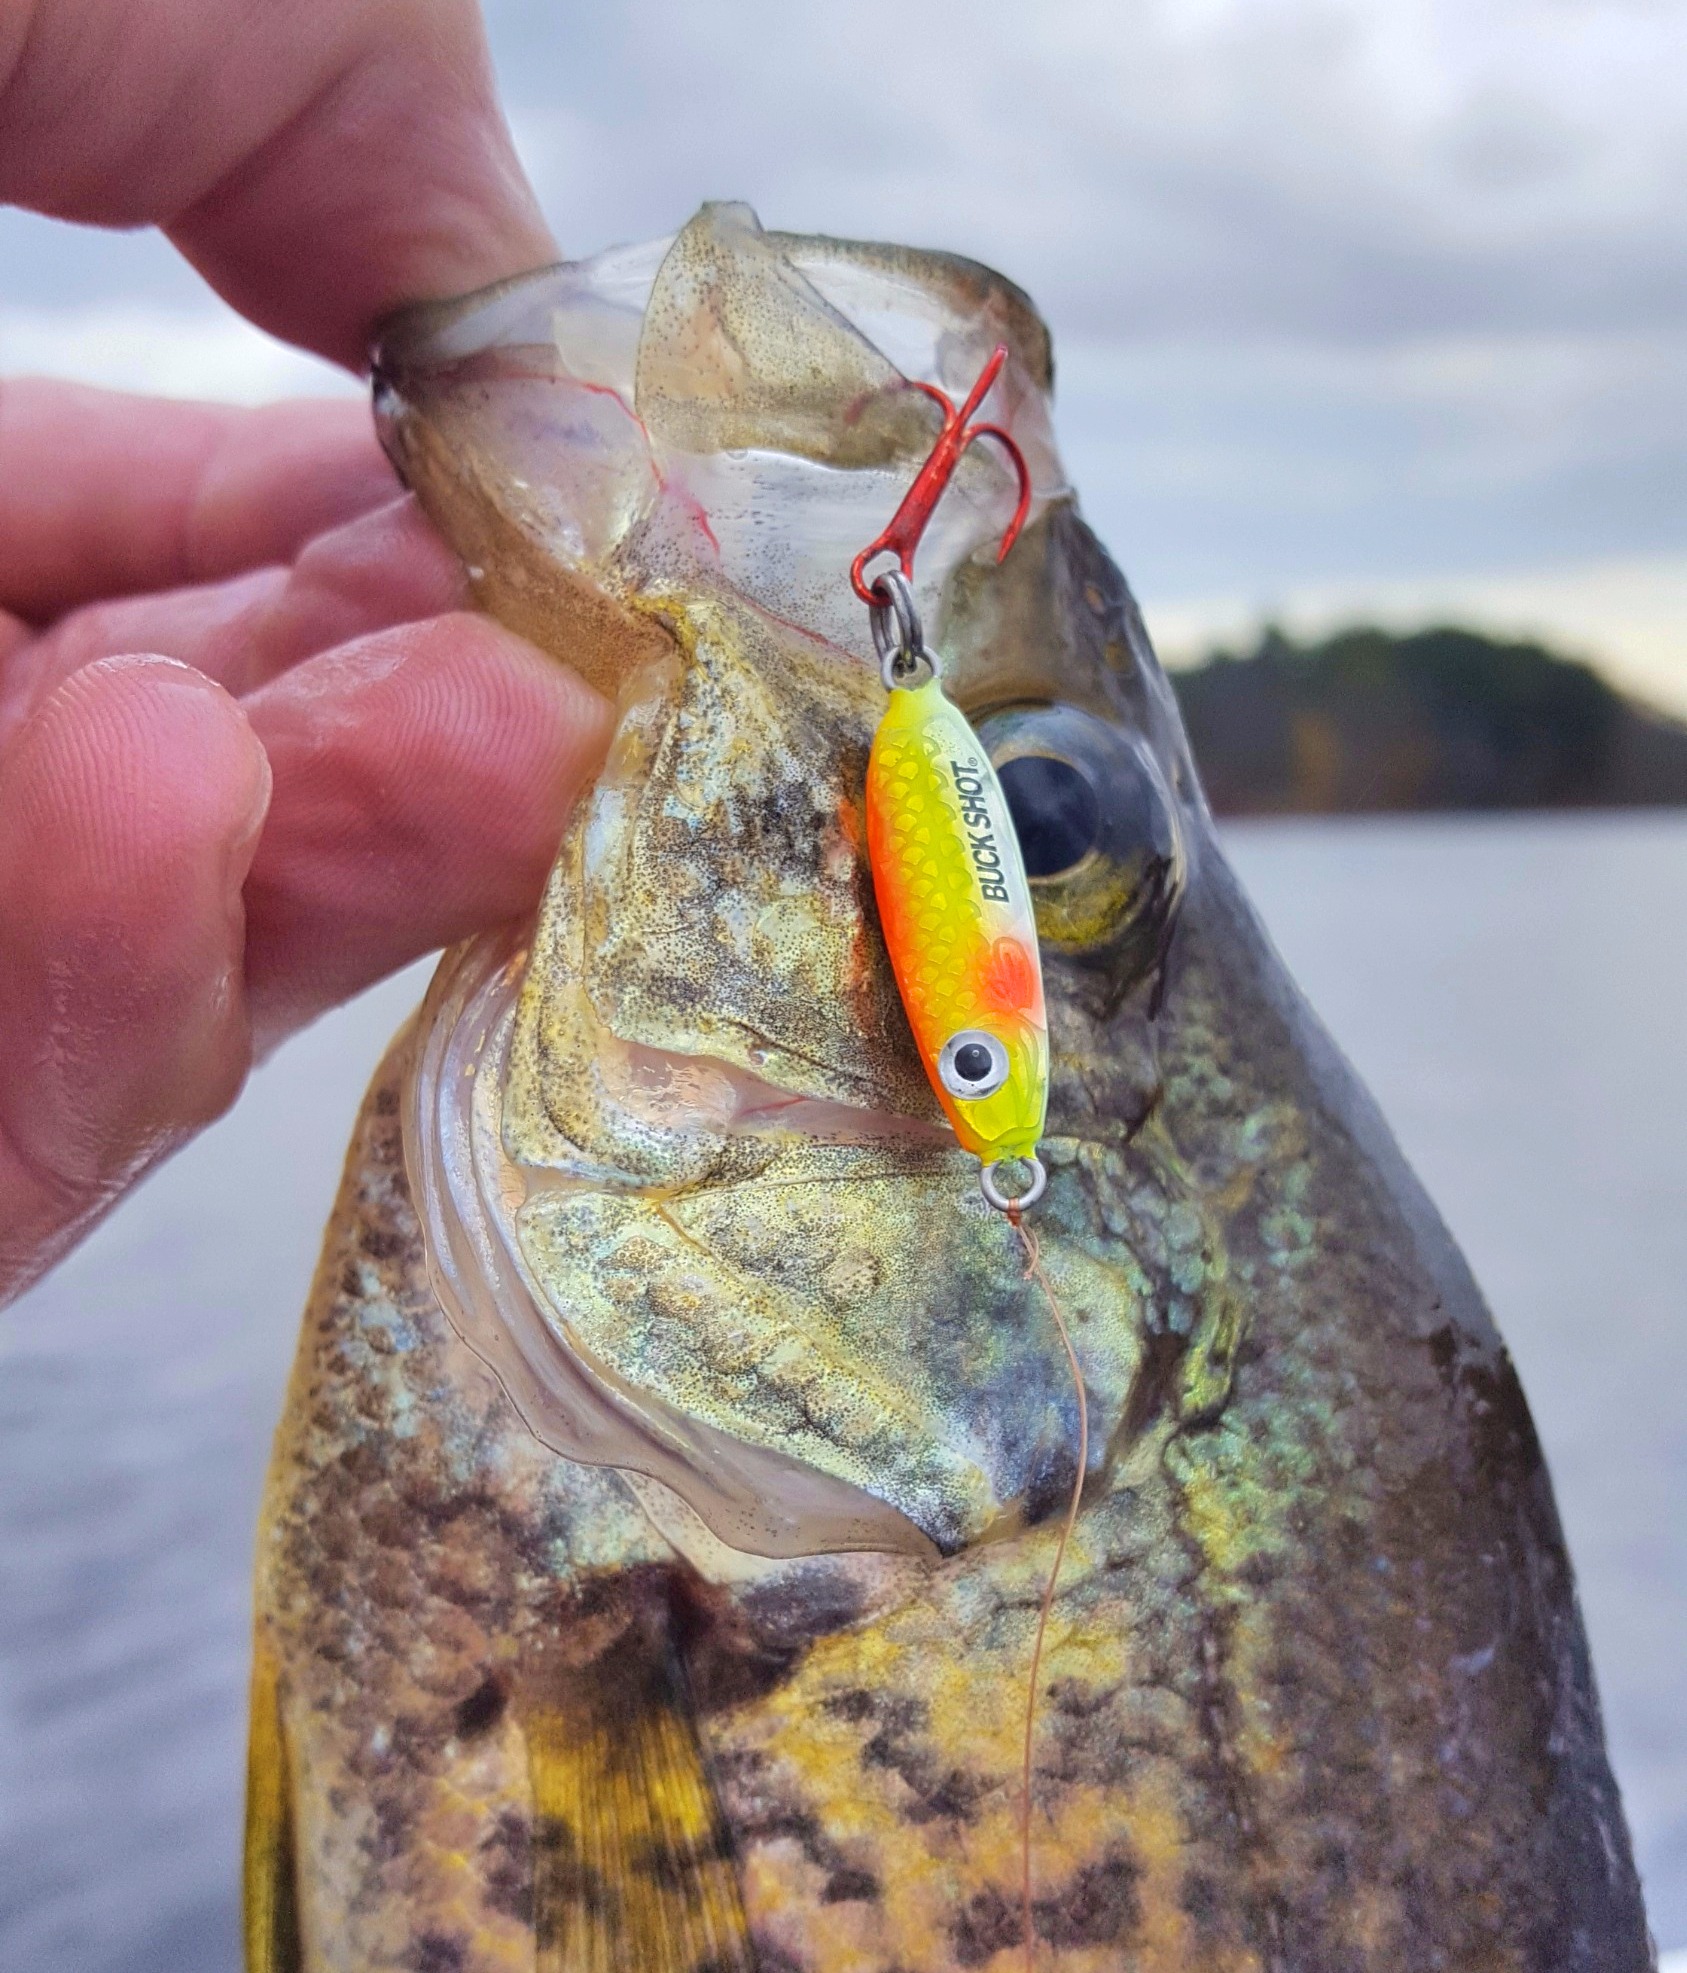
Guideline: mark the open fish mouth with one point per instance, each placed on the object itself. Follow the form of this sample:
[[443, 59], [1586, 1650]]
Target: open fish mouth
[[471, 1196], [740, 1341]]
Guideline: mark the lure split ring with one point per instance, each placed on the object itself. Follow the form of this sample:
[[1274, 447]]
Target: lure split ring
[[1019, 1202], [898, 635]]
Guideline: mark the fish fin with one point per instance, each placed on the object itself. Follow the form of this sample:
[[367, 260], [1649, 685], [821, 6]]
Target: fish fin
[[995, 308], [632, 1859], [271, 1864], [740, 349]]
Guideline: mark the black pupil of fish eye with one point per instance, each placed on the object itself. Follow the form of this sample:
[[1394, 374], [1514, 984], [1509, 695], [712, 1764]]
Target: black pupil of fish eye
[[972, 1061], [1055, 811]]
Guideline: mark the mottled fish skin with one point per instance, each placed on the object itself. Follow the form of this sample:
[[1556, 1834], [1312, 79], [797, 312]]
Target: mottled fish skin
[[1316, 1697]]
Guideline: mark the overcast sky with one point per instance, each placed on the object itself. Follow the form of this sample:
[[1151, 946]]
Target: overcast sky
[[1360, 305]]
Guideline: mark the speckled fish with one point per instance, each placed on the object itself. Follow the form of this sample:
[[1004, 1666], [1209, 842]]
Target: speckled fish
[[676, 1452]]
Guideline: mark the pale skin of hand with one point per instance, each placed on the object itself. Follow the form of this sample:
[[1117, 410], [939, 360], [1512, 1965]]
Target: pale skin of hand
[[254, 751]]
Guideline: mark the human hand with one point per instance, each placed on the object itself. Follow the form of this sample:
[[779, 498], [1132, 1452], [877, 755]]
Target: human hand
[[254, 753]]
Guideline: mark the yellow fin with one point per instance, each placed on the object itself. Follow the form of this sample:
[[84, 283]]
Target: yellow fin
[[632, 1861], [271, 1871]]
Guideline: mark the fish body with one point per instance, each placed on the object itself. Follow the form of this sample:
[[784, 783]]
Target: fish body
[[676, 1451]]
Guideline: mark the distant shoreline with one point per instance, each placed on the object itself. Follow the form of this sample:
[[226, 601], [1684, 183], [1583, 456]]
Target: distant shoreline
[[1442, 720]]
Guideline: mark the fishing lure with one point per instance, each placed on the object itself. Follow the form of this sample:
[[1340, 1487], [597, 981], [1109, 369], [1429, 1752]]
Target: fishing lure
[[947, 871]]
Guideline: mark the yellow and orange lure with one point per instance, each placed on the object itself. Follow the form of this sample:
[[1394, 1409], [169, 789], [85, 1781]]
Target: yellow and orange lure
[[958, 923], [947, 872]]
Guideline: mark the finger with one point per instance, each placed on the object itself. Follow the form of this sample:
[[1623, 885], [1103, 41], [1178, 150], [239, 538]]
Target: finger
[[178, 624], [129, 810], [422, 778], [385, 567], [320, 161], [104, 494]]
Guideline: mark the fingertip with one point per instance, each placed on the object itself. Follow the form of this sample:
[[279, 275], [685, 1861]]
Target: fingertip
[[131, 804], [143, 736], [388, 566], [486, 707], [398, 183]]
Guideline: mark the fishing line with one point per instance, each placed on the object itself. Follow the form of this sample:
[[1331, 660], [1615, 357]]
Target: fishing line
[[1035, 1271]]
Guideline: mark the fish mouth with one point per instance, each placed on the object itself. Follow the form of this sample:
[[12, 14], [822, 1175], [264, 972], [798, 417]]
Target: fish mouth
[[819, 1341], [469, 1195]]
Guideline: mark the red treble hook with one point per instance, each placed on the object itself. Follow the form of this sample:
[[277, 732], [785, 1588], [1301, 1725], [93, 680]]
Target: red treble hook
[[908, 523]]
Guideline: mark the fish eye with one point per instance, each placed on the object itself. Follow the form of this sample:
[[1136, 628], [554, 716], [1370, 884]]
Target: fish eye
[[1056, 811], [1097, 827], [972, 1063]]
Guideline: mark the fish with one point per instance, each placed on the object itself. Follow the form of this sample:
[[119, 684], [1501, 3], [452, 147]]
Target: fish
[[677, 1448]]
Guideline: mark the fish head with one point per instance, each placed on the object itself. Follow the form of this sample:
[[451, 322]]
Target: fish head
[[684, 1179]]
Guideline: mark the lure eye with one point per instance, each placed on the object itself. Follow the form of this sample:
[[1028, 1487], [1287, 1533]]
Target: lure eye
[[973, 1063]]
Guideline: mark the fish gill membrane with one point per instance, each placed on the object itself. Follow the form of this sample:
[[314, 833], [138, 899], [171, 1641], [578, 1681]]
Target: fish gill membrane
[[678, 1449]]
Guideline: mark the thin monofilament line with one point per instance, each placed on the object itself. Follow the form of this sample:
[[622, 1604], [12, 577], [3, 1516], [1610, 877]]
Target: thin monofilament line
[[1034, 1272]]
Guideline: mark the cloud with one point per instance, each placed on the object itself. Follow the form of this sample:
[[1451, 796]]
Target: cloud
[[1226, 465], [1329, 168], [1349, 295], [1382, 292]]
